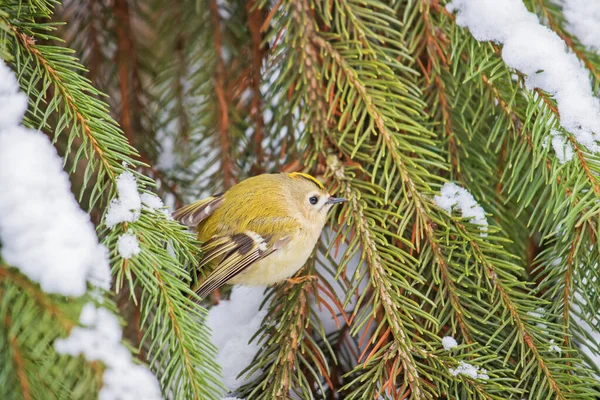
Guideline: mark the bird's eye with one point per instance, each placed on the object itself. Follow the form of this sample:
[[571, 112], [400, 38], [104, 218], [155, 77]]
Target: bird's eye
[[313, 200]]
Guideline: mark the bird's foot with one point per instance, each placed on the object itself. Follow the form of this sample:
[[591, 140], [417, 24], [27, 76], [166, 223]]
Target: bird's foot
[[299, 279]]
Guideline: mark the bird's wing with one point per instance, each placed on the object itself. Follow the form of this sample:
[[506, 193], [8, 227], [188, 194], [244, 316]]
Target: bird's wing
[[233, 255], [192, 214]]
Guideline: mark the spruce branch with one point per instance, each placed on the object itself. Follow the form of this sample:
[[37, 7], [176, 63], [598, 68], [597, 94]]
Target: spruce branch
[[168, 329], [31, 319], [402, 346]]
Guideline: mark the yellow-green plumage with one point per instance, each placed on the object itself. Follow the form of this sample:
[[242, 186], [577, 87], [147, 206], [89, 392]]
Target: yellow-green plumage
[[259, 212], [260, 231]]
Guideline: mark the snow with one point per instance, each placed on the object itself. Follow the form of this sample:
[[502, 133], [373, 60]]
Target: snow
[[554, 347], [560, 144], [99, 339], [128, 245], [583, 21], [542, 56], [129, 204], [50, 239], [233, 323], [449, 343], [14, 103], [589, 347], [453, 196], [539, 314], [562, 148], [152, 201], [469, 370], [43, 231]]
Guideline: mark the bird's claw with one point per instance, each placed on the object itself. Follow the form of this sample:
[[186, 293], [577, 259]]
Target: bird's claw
[[299, 279]]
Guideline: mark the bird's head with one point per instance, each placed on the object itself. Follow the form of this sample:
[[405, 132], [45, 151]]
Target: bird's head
[[310, 198]]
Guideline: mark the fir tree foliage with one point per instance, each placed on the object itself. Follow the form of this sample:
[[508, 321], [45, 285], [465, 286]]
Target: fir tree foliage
[[386, 102], [65, 104]]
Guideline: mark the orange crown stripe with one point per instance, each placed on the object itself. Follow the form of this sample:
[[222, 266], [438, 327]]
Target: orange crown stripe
[[307, 176]]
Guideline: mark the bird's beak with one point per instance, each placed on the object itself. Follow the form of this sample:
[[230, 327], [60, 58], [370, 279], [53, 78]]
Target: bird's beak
[[335, 200]]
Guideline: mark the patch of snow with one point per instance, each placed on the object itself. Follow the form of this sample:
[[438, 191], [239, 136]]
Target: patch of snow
[[469, 370], [562, 147], [128, 245], [560, 144], [233, 322], [14, 103], [539, 314], [50, 239], [128, 206], [554, 347], [43, 231], [583, 21], [542, 56], [154, 203], [590, 345], [453, 196], [99, 339], [449, 343]]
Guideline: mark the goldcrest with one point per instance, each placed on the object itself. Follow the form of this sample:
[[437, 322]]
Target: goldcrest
[[260, 231]]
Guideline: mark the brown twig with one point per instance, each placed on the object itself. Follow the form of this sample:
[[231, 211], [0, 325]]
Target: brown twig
[[124, 54], [255, 17], [19, 362], [220, 77], [270, 16], [96, 52]]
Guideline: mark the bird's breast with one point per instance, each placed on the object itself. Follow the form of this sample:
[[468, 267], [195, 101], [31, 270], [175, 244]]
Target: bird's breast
[[282, 263]]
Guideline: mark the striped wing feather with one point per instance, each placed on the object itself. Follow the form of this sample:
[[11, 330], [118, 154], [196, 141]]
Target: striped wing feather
[[192, 214], [233, 255]]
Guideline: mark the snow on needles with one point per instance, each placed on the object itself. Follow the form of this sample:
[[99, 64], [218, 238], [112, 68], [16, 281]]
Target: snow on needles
[[463, 368], [152, 202], [47, 236], [583, 21], [127, 208], [128, 245], [469, 370], [99, 339], [233, 323], [43, 231], [539, 53], [129, 204], [562, 147], [448, 342], [14, 104], [453, 196]]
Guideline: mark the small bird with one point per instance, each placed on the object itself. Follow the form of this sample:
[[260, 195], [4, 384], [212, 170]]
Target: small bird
[[260, 231]]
